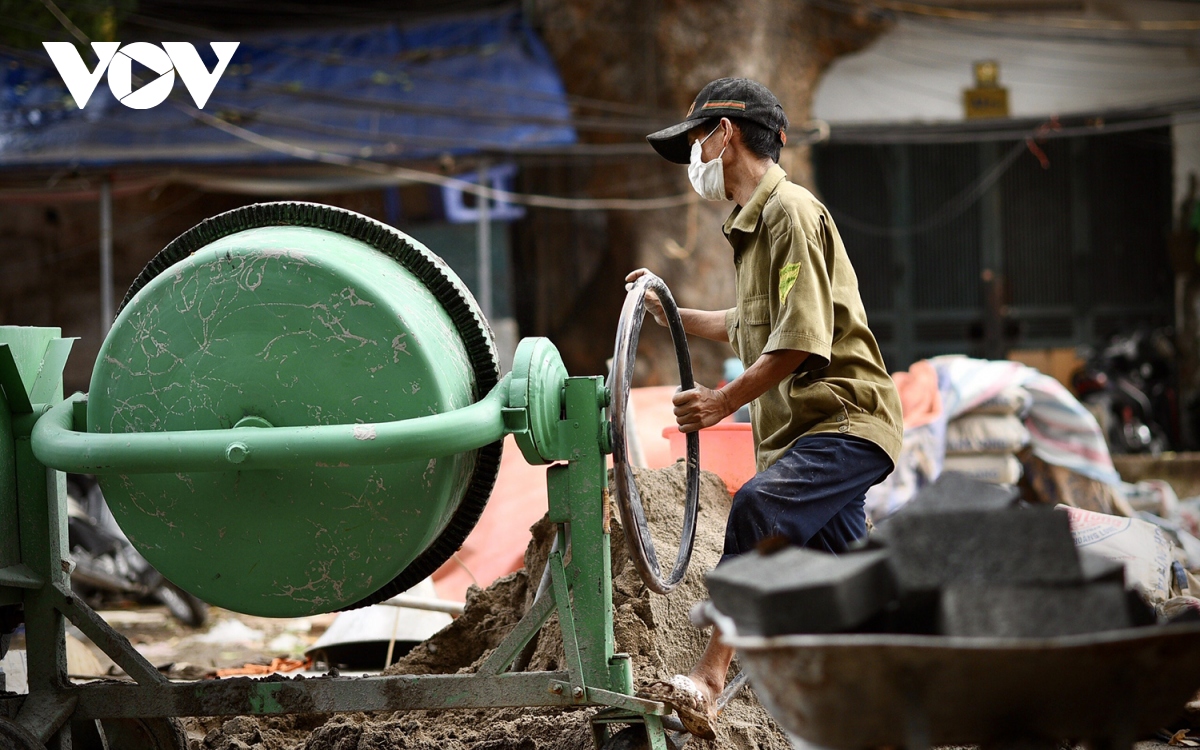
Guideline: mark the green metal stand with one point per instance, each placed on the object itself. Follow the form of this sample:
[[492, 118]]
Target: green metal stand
[[555, 419]]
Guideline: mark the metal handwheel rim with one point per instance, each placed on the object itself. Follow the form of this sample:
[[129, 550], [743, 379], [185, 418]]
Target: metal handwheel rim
[[629, 502]]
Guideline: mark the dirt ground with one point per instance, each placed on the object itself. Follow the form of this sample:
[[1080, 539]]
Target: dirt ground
[[654, 630]]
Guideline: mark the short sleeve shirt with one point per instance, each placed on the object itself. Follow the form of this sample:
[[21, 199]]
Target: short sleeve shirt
[[797, 290]]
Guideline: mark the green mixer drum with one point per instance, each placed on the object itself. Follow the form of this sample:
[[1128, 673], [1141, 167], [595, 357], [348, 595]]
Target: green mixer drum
[[294, 314]]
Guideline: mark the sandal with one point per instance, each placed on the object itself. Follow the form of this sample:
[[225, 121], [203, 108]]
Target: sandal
[[681, 693]]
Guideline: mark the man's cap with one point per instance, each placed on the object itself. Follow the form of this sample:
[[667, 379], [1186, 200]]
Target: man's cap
[[724, 97]]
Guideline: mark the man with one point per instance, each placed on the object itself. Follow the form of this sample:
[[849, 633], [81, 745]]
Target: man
[[825, 414]]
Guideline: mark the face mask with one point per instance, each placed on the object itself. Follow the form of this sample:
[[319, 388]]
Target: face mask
[[708, 178]]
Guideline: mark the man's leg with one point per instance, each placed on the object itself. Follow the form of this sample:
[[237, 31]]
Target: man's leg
[[709, 673], [814, 495]]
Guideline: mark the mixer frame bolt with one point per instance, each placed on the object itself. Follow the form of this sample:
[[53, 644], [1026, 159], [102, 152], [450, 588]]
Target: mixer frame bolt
[[236, 453], [577, 693], [556, 688]]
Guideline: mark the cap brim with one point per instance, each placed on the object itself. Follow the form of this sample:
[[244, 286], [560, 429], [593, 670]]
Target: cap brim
[[671, 143]]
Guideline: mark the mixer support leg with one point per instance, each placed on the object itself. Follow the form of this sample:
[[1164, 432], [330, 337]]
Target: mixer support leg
[[581, 484], [508, 650], [655, 734], [41, 499], [112, 643]]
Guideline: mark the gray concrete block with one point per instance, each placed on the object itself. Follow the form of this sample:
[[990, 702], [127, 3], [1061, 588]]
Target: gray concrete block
[[1025, 546], [802, 591], [954, 491], [1033, 611]]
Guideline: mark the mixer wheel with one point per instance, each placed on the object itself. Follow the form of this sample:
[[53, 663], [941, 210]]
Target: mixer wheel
[[13, 736], [620, 379], [135, 734], [634, 738]]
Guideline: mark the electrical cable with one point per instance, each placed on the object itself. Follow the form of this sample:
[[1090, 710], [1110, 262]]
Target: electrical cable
[[372, 61], [66, 22], [380, 106], [951, 209], [1005, 26], [125, 230], [947, 212], [1098, 124], [508, 91], [416, 175], [1057, 22]]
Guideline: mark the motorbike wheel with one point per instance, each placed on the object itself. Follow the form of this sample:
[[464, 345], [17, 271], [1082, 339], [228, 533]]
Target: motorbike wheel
[[17, 737], [634, 738], [183, 606], [128, 734]]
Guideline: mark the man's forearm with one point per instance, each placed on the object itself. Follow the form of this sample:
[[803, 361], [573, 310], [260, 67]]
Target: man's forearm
[[761, 376], [707, 324]]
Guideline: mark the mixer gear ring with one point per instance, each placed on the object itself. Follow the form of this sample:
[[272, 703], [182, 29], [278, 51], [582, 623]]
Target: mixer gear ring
[[445, 286], [633, 517]]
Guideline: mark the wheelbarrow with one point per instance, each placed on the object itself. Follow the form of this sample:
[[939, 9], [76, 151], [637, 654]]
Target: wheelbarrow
[[852, 691]]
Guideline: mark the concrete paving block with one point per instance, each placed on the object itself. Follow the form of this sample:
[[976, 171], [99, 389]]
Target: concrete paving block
[[954, 491], [802, 591], [1033, 611], [1023, 546], [913, 613]]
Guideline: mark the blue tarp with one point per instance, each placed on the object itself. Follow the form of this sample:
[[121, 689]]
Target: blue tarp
[[384, 93]]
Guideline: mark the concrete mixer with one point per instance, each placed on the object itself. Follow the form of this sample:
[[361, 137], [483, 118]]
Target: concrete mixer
[[299, 410]]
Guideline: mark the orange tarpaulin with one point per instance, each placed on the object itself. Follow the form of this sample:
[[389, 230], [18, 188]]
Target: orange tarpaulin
[[496, 547], [920, 399]]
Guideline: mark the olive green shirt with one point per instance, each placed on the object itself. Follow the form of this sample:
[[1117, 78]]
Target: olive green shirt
[[797, 290]]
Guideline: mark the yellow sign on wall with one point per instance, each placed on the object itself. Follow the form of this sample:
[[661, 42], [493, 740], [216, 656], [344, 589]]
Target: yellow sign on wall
[[983, 103], [988, 98]]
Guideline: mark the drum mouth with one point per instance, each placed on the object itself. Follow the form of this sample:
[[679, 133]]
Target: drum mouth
[[446, 288]]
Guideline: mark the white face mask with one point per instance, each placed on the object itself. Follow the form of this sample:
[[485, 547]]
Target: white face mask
[[708, 178]]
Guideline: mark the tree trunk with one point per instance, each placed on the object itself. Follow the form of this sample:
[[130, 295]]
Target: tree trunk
[[652, 57]]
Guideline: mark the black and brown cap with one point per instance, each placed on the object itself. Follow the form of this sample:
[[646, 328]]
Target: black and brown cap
[[724, 97]]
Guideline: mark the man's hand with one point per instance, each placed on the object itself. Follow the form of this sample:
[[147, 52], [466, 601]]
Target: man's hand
[[708, 324], [700, 407], [653, 305]]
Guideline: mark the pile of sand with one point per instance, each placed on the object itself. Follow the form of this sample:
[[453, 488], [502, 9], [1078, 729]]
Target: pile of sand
[[653, 629]]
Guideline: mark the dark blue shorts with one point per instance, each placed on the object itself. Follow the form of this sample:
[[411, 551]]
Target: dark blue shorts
[[814, 495]]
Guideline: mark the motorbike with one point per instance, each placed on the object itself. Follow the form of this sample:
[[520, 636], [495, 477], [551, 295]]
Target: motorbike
[[1129, 385], [106, 566]]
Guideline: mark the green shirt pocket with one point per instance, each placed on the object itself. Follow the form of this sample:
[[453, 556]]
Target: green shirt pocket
[[756, 310], [753, 328]]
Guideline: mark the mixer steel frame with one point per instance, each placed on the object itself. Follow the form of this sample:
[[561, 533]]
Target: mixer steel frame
[[556, 419]]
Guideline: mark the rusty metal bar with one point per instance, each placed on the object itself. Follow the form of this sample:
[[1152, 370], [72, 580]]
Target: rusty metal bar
[[274, 695], [407, 601]]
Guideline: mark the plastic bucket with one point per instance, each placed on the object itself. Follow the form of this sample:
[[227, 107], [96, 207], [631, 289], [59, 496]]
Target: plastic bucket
[[726, 449]]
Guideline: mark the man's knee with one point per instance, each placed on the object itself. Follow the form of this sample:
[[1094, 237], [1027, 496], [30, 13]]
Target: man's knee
[[747, 523], [748, 491]]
